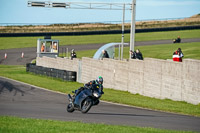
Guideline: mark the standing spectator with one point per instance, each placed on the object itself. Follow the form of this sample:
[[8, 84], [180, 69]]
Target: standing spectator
[[73, 54], [43, 47], [178, 40], [55, 47], [133, 54], [105, 54], [178, 55], [139, 55]]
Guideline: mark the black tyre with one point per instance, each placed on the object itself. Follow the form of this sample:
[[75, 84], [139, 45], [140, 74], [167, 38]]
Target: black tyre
[[70, 108], [70, 73], [86, 105]]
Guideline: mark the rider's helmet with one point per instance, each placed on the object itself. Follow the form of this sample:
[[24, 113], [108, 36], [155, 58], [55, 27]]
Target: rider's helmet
[[99, 80]]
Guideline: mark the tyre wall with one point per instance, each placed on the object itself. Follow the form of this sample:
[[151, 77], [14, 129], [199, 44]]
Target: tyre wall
[[51, 72], [162, 79], [60, 63]]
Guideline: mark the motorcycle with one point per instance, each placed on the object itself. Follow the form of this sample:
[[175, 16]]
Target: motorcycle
[[85, 99]]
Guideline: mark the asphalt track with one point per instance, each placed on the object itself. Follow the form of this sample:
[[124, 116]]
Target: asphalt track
[[23, 100], [14, 55]]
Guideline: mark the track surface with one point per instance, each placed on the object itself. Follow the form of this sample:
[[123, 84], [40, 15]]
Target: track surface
[[18, 99], [14, 55]]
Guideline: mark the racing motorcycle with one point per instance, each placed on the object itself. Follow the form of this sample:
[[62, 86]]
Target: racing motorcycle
[[85, 99]]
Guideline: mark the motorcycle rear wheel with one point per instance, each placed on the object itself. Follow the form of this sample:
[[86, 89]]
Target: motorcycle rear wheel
[[70, 108], [86, 105]]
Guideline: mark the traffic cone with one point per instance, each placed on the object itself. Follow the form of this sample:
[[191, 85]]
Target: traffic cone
[[22, 55], [5, 55]]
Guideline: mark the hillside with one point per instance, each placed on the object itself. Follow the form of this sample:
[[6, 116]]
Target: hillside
[[191, 21]]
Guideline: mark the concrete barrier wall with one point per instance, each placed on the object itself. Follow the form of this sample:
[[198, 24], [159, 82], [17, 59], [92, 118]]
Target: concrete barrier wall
[[191, 81], [162, 79]]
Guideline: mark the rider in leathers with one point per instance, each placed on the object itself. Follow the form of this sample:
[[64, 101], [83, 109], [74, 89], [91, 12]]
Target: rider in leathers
[[98, 81]]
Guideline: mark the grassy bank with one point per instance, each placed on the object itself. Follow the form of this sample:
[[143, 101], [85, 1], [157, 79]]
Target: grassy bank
[[191, 21], [22, 42], [18, 73], [21, 125]]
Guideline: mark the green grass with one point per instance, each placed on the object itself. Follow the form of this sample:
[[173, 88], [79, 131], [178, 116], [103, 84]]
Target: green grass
[[18, 73], [28, 125], [22, 42], [151, 103], [164, 51]]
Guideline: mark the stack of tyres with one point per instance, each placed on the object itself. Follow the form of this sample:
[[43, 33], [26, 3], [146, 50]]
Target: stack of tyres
[[28, 67], [65, 75], [43, 71], [48, 72], [51, 72], [39, 70], [59, 74], [32, 68], [69, 76], [72, 76], [54, 73]]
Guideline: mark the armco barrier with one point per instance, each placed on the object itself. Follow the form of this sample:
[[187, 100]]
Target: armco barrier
[[51, 72]]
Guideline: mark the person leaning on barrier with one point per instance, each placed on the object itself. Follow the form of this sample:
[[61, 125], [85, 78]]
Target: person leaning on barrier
[[133, 54], [178, 55], [139, 55], [105, 54], [55, 47], [73, 54], [42, 47]]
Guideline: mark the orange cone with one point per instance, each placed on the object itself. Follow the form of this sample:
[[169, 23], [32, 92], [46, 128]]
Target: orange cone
[[5, 55], [22, 55]]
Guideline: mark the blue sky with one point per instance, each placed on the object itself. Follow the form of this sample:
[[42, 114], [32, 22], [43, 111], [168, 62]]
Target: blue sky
[[16, 11]]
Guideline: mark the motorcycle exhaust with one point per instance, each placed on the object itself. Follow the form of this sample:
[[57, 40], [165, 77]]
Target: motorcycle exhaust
[[69, 97]]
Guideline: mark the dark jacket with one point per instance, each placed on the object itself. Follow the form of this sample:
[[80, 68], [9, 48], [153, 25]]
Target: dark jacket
[[105, 55], [73, 55], [139, 56], [178, 40], [89, 84], [133, 55]]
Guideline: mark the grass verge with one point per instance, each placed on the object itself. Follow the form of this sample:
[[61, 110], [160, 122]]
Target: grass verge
[[19, 73], [28, 125], [22, 42]]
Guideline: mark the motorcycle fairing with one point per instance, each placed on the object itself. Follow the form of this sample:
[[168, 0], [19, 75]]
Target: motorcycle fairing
[[81, 97]]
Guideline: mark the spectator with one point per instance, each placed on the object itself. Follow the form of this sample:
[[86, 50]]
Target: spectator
[[42, 47], [105, 54], [55, 47], [139, 55], [178, 40], [178, 55], [73, 54], [133, 54]]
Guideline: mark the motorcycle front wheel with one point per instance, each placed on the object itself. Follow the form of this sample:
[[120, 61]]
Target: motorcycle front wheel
[[70, 108], [86, 105]]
